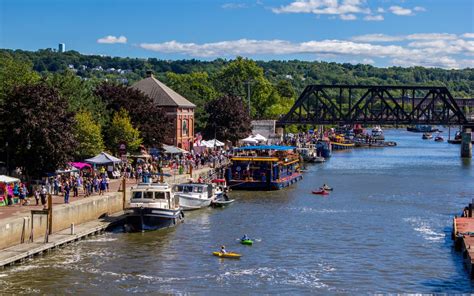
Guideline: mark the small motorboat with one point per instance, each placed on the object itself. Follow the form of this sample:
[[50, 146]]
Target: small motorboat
[[222, 201], [247, 242], [427, 136], [439, 139], [321, 192], [230, 255]]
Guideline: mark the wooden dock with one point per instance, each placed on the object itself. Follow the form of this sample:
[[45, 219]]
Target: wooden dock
[[21, 252], [463, 236]]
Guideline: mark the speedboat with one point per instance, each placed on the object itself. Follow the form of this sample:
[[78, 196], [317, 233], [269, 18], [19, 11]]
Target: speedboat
[[427, 136], [193, 196], [152, 206]]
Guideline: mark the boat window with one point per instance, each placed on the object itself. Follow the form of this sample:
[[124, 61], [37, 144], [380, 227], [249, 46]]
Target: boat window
[[137, 195], [148, 195], [160, 195]]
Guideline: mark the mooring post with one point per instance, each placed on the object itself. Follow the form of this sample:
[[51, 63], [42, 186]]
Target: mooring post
[[50, 214], [73, 230], [466, 144], [124, 193]]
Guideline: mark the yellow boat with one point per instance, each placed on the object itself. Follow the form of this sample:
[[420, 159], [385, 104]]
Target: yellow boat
[[227, 255]]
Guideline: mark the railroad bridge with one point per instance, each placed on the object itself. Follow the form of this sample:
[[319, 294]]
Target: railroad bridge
[[383, 105]]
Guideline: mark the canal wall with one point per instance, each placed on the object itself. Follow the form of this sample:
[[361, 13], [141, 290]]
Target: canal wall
[[16, 230]]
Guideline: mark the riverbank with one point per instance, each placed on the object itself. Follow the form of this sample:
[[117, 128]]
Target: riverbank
[[18, 224]]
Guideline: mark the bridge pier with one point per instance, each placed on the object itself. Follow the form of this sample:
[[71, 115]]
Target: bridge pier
[[466, 144]]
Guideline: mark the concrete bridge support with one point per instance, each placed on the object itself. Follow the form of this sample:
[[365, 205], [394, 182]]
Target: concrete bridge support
[[466, 144]]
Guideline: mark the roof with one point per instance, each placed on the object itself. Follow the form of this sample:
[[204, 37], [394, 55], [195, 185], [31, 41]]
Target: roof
[[266, 147], [161, 94]]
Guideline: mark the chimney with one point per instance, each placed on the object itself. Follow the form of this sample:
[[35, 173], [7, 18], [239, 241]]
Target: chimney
[[149, 73]]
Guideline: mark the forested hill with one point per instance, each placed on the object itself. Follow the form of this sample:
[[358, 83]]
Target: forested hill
[[297, 73]]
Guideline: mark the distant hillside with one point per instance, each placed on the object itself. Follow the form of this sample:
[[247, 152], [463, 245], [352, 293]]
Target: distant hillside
[[298, 73]]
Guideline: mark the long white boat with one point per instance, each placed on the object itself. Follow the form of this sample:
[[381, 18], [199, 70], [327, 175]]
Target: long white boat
[[153, 206], [193, 196]]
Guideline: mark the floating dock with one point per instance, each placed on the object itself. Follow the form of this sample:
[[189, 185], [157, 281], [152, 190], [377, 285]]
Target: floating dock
[[463, 236], [47, 243]]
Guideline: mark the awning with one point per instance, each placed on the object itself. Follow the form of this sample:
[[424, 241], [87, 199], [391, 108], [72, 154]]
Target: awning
[[103, 158], [172, 149], [260, 138], [79, 165], [249, 139], [7, 179], [215, 143]]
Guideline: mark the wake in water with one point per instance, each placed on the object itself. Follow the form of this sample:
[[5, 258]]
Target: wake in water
[[425, 229]]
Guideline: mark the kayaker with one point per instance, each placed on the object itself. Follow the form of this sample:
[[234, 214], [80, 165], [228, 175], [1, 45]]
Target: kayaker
[[245, 237], [223, 251]]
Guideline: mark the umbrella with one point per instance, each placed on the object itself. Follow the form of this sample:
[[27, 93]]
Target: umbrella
[[7, 179]]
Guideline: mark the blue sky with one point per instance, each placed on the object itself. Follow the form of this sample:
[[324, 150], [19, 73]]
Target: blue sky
[[432, 33]]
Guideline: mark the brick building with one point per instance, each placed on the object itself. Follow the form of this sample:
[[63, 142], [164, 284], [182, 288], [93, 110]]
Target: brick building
[[179, 110]]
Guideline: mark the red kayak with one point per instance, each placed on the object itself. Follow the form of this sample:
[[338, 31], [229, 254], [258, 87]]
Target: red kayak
[[321, 192]]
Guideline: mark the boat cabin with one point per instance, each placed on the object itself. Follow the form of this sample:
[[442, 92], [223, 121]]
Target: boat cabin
[[155, 195], [197, 189]]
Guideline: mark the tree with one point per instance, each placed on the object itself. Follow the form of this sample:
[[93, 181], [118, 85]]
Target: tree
[[228, 119], [88, 135], [145, 115], [238, 76], [121, 130], [38, 129], [197, 88], [14, 73]]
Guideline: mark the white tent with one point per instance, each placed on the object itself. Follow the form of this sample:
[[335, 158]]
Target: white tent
[[215, 143], [250, 140], [103, 158], [260, 138], [7, 179]]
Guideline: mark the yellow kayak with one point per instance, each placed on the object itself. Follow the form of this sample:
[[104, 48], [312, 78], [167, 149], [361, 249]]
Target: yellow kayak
[[227, 255]]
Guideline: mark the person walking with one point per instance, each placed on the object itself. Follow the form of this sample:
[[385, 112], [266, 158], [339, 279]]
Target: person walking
[[43, 193], [67, 189]]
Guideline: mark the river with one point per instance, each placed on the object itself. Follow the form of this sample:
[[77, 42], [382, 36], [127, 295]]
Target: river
[[385, 228]]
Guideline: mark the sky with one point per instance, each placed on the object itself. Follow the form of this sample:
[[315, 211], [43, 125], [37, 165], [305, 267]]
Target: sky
[[430, 33]]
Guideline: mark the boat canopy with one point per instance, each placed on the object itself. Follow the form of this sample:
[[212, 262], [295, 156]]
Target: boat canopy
[[266, 147]]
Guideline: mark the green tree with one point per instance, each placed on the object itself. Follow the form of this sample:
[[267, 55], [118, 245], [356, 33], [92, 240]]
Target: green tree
[[38, 128], [88, 135], [121, 130], [242, 75], [14, 73], [197, 88], [227, 123]]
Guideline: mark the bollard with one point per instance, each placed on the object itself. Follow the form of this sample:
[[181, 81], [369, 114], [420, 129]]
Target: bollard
[[73, 230], [50, 214], [124, 193]]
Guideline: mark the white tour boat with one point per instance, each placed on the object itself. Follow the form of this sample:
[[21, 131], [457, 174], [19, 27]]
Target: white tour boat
[[153, 206]]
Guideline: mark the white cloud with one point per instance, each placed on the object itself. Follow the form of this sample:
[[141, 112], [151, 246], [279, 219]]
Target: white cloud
[[419, 9], [374, 18], [234, 5], [468, 35], [112, 39], [398, 10], [348, 17], [324, 7], [445, 53], [431, 36], [377, 38], [380, 10]]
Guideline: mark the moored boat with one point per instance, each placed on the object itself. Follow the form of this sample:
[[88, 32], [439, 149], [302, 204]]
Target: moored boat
[[427, 136], [422, 129], [377, 133], [152, 206], [193, 196], [263, 168]]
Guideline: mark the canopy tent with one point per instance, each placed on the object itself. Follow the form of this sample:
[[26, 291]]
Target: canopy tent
[[7, 179], [172, 149], [215, 143], [79, 165], [260, 138], [103, 158], [249, 140]]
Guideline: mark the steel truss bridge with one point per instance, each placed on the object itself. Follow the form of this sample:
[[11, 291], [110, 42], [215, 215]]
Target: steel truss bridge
[[374, 104]]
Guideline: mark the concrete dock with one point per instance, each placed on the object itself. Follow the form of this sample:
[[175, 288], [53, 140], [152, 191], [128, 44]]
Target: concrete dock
[[27, 250], [463, 236]]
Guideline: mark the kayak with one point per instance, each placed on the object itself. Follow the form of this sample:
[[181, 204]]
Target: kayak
[[321, 192], [221, 203], [248, 242], [327, 188], [227, 255]]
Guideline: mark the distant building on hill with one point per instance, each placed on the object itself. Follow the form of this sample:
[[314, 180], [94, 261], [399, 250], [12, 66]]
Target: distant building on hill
[[62, 47], [178, 109]]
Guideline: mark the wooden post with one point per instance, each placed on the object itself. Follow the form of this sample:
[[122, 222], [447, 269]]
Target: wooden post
[[124, 193], [50, 214], [191, 171]]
